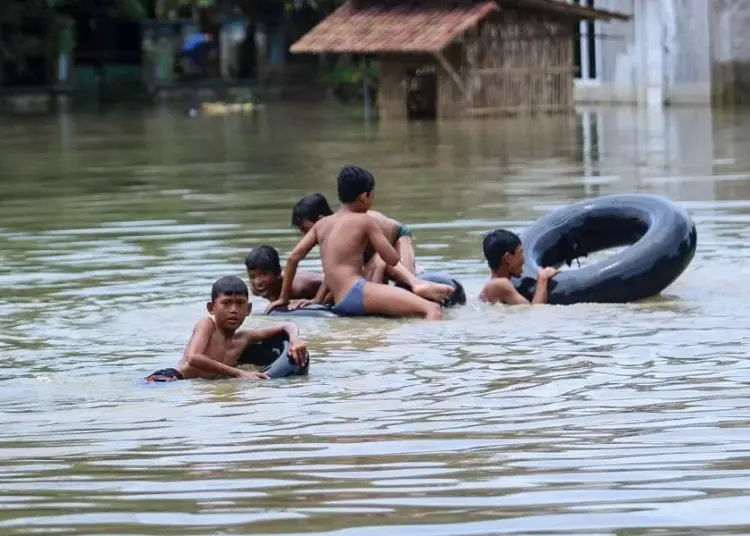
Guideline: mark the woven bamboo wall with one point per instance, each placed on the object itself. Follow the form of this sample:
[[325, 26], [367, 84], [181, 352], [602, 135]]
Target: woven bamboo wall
[[519, 62], [392, 92], [392, 88], [515, 63], [450, 99]]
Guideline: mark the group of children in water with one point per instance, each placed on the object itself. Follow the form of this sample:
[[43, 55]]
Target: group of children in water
[[361, 250]]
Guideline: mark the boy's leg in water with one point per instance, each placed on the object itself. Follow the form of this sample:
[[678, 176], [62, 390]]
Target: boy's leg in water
[[428, 290], [405, 248], [397, 302], [374, 270]]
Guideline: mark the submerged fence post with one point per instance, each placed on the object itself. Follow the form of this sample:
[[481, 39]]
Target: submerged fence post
[[365, 90]]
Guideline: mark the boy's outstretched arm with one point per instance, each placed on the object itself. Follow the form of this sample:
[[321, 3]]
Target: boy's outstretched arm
[[501, 290], [196, 358], [380, 243], [542, 282], [300, 251], [322, 293], [297, 346]]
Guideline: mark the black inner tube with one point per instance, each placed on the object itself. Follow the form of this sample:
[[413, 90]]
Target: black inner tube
[[660, 236], [272, 355], [595, 233]]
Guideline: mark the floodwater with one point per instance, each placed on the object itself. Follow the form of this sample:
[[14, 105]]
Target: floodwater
[[596, 419]]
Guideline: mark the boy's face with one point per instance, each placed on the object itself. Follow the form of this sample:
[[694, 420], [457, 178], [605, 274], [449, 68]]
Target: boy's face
[[229, 310], [261, 282], [514, 261]]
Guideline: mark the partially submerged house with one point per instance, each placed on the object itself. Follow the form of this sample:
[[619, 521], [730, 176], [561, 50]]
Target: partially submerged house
[[449, 58]]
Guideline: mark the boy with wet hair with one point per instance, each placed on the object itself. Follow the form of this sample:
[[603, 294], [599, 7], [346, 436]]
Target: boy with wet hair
[[313, 207], [264, 271], [308, 210], [343, 238], [216, 345], [505, 257]]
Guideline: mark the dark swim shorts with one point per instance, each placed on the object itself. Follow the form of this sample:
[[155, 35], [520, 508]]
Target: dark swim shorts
[[353, 303], [165, 375], [402, 232]]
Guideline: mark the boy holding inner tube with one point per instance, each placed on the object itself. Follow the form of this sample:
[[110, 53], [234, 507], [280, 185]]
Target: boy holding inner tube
[[343, 238], [505, 257], [216, 345]]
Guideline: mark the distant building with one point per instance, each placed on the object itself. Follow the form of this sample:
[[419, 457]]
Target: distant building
[[464, 57], [670, 52]]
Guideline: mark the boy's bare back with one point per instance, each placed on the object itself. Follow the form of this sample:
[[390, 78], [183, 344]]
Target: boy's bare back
[[342, 238], [389, 226]]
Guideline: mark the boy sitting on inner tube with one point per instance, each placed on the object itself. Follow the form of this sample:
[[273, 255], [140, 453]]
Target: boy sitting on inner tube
[[310, 209], [313, 207], [504, 254], [264, 272], [343, 238], [216, 345]]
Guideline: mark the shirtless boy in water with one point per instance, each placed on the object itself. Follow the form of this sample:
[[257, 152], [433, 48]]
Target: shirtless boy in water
[[264, 271], [313, 207], [505, 257], [343, 238], [216, 345]]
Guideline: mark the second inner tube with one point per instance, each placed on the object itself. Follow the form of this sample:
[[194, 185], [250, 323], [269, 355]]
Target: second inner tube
[[273, 355], [661, 237], [457, 298]]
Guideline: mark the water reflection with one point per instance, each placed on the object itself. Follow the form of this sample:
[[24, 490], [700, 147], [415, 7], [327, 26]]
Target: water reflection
[[546, 419]]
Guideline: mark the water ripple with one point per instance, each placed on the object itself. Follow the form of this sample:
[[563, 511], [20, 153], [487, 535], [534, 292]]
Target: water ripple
[[591, 419]]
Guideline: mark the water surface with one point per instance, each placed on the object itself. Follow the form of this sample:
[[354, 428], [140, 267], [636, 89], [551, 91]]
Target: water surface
[[584, 419]]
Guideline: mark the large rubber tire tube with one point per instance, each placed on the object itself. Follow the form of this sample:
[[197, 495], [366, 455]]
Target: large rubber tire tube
[[457, 298], [273, 355], [660, 234]]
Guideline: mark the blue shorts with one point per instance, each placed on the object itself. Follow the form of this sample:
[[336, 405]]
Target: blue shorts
[[353, 303]]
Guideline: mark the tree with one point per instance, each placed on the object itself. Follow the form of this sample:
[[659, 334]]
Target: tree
[[45, 28]]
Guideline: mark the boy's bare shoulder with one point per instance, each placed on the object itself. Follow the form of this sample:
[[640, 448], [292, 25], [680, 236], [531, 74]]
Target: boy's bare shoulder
[[204, 325], [496, 289], [308, 277], [361, 217], [382, 218]]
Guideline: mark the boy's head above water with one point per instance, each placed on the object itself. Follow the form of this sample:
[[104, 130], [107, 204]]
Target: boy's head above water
[[230, 303], [264, 271], [504, 253], [308, 210], [356, 188]]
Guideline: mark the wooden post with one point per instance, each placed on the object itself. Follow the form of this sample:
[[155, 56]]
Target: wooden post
[[2, 62], [366, 88], [451, 71]]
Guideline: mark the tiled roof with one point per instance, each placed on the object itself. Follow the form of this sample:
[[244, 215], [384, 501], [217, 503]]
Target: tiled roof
[[418, 25], [566, 8], [408, 26]]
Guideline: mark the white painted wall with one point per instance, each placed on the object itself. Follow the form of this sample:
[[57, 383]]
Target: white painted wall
[[663, 55]]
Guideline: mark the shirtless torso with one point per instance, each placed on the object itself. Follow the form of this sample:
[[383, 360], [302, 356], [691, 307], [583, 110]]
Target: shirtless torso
[[218, 347], [342, 257], [342, 238]]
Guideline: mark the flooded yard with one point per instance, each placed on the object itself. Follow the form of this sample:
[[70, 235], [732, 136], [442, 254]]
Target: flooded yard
[[559, 420]]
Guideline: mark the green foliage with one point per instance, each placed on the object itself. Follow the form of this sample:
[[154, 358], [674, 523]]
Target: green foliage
[[352, 73], [55, 32]]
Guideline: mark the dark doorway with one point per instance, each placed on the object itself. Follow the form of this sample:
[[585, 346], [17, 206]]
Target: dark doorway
[[421, 93]]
